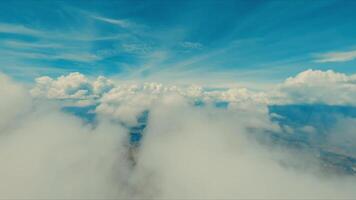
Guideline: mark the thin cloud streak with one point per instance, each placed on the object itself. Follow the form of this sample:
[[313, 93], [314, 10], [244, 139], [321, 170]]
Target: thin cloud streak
[[119, 22], [19, 29], [342, 56]]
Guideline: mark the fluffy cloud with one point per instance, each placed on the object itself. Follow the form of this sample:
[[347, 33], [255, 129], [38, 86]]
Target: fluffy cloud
[[73, 86], [126, 102], [14, 100], [315, 86], [46, 154], [206, 154], [186, 152]]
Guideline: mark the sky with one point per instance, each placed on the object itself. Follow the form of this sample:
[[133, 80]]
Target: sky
[[177, 41]]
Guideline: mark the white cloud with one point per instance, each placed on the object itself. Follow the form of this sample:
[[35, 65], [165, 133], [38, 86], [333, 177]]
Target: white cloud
[[19, 29], [343, 134], [80, 57], [336, 57], [73, 86], [310, 86], [119, 22], [190, 153], [14, 100], [71, 55], [315, 86], [29, 45], [186, 153], [102, 85], [46, 154], [127, 101]]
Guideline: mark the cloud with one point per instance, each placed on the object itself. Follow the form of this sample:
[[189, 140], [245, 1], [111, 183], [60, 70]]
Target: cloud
[[70, 56], [191, 45], [74, 86], [186, 151], [120, 22], [49, 155], [30, 45], [137, 48], [336, 57], [14, 100], [342, 134], [19, 29], [315, 86], [310, 86], [79, 57], [191, 153], [127, 101]]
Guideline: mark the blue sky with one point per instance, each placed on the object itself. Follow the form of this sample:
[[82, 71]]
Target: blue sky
[[251, 41]]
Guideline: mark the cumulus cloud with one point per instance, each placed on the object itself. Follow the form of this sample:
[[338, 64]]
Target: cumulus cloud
[[186, 152], [315, 86], [74, 86], [126, 102]]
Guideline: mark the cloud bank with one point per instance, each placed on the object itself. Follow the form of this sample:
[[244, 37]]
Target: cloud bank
[[310, 86], [187, 151]]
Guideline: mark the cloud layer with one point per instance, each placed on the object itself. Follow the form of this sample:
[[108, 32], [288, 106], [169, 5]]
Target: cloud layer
[[187, 151], [310, 86]]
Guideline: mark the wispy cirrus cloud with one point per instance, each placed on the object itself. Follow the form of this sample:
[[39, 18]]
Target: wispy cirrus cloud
[[38, 45], [75, 56], [72, 35], [119, 22], [191, 45], [342, 56], [18, 29]]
